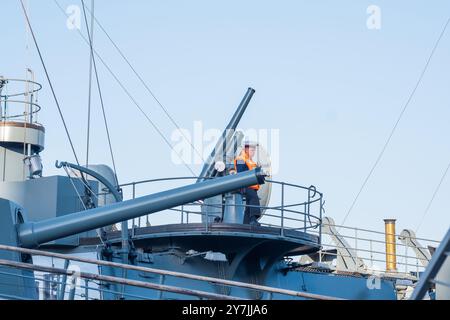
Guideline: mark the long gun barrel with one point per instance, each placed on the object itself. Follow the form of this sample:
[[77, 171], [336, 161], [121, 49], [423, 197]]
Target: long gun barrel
[[208, 168], [32, 234]]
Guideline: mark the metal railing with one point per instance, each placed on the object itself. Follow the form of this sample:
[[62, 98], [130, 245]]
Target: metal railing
[[369, 246], [67, 285], [20, 105], [304, 215]]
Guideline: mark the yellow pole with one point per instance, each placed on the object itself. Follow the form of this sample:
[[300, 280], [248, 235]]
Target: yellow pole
[[391, 249]]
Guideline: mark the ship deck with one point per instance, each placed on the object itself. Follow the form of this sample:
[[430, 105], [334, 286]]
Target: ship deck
[[301, 242]]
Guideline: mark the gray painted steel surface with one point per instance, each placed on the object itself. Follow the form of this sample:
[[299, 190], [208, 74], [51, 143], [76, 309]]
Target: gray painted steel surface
[[32, 234], [437, 270]]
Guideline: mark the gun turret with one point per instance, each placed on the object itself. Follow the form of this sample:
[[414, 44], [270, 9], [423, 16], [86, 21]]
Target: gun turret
[[32, 234]]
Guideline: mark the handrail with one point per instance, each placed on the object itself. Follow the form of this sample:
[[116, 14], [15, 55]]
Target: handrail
[[35, 109], [293, 185], [284, 212], [364, 250], [9, 101], [380, 232], [21, 93], [262, 207], [123, 281], [167, 273], [372, 249], [379, 241]]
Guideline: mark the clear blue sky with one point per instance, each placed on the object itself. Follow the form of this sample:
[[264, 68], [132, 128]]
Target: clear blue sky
[[333, 87]]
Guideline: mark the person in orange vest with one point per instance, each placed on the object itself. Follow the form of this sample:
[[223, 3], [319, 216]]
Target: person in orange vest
[[244, 162]]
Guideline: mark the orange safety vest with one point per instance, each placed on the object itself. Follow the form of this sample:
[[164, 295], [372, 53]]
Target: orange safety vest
[[243, 157]]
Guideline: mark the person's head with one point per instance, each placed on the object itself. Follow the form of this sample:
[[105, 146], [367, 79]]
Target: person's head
[[250, 151]]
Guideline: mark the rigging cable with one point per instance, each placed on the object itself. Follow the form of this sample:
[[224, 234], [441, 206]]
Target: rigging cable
[[49, 81], [90, 36], [433, 197], [91, 41], [88, 191], [146, 86], [75, 188], [405, 107], [126, 91]]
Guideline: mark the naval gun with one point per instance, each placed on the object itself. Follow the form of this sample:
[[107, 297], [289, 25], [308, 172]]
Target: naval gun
[[230, 207], [17, 231], [229, 139]]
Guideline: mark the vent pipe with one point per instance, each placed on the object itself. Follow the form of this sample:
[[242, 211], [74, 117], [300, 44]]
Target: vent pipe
[[391, 248]]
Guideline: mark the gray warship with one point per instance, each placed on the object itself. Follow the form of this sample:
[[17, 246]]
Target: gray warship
[[80, 236]]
